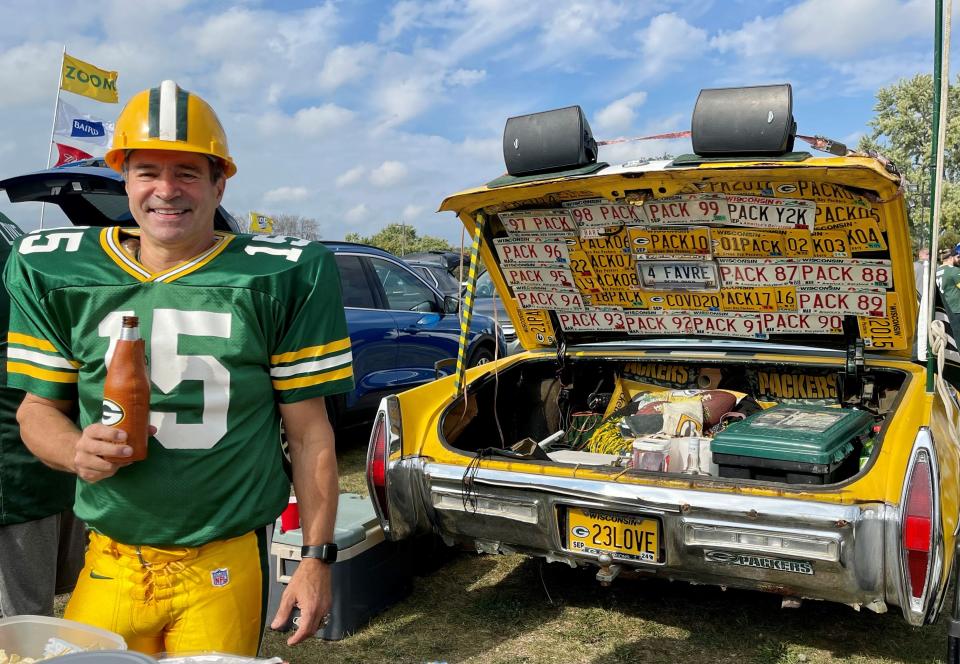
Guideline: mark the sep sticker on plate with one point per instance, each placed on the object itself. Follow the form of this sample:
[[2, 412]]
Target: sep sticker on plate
[[675, 242], [530, 252], [542, 223], [765, 212]]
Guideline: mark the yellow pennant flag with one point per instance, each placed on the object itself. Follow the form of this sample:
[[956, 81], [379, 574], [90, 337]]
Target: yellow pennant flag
[[260, 223], [85, 79]]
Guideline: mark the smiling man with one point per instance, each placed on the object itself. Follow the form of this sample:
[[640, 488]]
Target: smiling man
[[240, 331]]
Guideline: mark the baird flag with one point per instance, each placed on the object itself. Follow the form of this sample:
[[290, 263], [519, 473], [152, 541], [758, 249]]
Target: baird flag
[[73, 124]]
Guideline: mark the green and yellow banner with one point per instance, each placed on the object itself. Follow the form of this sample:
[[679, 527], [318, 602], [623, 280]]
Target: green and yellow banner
[[84, 79]]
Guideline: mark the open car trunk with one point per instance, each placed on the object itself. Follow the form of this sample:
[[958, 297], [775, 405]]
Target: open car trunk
[[735, 420]]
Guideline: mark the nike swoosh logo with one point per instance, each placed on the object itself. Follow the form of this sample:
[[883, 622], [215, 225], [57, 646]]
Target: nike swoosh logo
[[94, 575]]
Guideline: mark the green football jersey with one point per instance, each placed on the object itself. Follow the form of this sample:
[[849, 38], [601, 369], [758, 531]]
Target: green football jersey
[[29, 490], [253, 321]]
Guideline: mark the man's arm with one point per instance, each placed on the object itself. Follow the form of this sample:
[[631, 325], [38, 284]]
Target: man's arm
[[315, 481], [51, 435]]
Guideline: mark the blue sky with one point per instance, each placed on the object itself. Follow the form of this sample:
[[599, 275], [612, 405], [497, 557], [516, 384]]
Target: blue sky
[[360, 113]]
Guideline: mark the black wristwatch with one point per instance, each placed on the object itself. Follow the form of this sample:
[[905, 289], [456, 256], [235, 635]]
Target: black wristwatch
[[324, 552]]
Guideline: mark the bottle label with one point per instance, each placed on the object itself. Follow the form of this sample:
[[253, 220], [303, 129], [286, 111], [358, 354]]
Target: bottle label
[[112, 413]]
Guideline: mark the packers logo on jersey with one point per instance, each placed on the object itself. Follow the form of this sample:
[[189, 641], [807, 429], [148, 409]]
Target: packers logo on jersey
[[112, 413]]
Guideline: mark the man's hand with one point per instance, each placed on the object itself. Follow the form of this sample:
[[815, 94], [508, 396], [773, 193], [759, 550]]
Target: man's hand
[[96, 442], [308, 590]]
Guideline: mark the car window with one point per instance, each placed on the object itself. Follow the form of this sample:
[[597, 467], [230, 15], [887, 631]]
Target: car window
[[353, 283], [426, 273], [404, 291], [445, 281], [484, 287]]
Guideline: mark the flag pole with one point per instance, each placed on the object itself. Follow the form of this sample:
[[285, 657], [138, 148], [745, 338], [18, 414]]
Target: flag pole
[[53, 125]]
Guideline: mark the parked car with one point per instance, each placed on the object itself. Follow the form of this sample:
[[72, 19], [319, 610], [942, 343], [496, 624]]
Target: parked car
[[720, 383], [448, 260], [436, 275], [400, 326], [487, 302]]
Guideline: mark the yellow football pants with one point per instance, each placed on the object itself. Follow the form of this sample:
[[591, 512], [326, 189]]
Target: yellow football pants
[[179, 599]]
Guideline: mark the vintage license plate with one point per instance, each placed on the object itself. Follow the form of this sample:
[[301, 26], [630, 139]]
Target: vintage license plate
[[773, 298], [850, 273], [687, 209], [623, 299], [540, 278], [749, 243], [536, 322], [542, 223], [595, 214], [623, 536], [848, 303], [742, 325], [862, 234], [658, 322], [611, 243], [531, 253], [549, 300], [886, 332], [610, 262], [592, 321], [675, 242], [678, 275], [678, 301], [790, 323], [830, 244], [766, 212]]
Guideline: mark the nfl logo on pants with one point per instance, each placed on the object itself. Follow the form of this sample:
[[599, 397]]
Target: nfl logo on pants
[[220, 577]]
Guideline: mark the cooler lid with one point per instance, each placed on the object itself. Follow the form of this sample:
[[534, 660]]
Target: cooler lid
[[355, 514], [104, 657]]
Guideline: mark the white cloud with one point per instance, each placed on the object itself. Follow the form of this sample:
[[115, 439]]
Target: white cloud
[[286, 195], [466, 77], [346, 64], [667, 43], [320, 120], [619, 115], [351, 177], [401, 100], [827, 29], [388, 174], [358, 213], [28, 73], [411, 212]]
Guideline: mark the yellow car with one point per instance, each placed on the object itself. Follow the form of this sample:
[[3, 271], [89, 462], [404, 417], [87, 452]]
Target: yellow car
[[720, 381]]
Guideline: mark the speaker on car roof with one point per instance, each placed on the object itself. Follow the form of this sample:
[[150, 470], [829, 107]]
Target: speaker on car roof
[[744, 121], [550, 141]]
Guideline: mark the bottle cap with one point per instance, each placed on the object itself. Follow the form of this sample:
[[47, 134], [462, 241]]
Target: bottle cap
[[131, 321]]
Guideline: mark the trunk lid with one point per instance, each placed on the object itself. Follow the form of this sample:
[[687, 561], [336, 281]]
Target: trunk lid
[[787, 249]]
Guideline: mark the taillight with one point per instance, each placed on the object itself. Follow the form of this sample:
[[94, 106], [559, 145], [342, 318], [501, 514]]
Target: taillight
[[377, 464], [917, 525]]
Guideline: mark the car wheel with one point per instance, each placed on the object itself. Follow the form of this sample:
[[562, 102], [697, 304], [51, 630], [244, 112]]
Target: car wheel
[[482, 355]]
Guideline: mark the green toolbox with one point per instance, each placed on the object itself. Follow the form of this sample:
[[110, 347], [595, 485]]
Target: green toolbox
[[796, 444]]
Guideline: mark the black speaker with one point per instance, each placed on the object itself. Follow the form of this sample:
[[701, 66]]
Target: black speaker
[[550, 141], [744, 121]]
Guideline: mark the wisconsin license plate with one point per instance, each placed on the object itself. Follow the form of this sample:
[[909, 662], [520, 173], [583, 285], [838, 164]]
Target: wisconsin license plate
[[623, 536]]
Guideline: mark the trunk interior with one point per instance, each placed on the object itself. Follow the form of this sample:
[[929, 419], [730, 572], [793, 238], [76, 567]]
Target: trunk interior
[[744, 421]]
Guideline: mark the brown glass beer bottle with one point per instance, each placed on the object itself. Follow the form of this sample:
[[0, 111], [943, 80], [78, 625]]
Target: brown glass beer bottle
[[126, 392]]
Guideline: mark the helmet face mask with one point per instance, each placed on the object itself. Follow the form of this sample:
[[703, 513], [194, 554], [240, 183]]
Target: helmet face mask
[[169, 118]]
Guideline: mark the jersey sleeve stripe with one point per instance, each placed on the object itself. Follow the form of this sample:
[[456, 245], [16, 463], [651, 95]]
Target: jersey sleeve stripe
[[316, 379], [42, 374], [34, 357], [32, 342], [311, 352], [313, 366]]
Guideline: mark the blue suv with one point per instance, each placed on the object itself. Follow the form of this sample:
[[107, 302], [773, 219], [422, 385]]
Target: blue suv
[[400, 326]]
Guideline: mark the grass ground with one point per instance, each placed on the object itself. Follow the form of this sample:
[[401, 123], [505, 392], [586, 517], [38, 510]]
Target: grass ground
[[513, 609]]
